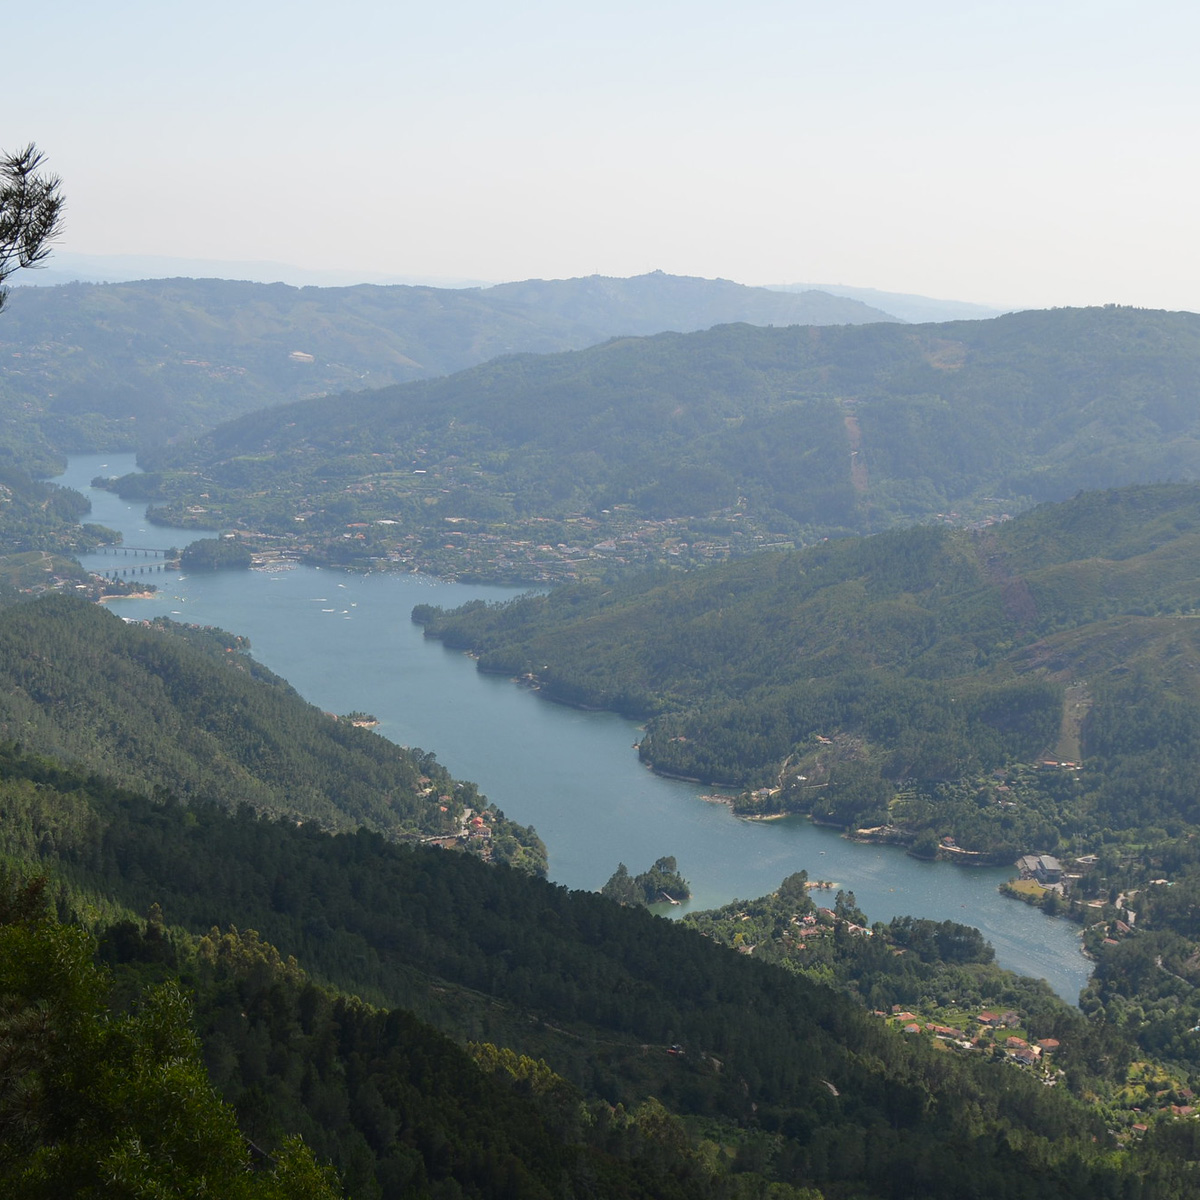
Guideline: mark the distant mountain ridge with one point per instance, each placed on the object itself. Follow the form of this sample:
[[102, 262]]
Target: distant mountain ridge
[[695, 303], [742, 437], [72, 267], [904, 306], [98, 365], [67, 266]]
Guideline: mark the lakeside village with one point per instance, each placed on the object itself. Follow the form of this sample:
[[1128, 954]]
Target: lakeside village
[[471, 552], [1002, 1034], [1044, 881], [473, 832], [34, 575], [446, 515], [540, 551], [1042, 876]]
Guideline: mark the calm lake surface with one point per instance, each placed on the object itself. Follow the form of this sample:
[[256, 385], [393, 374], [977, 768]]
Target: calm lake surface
[[346, 642]]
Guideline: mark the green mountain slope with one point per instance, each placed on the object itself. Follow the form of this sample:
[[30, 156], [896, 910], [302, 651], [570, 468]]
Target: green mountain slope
[[911, 660], [692, 447], [131, 364], [781, 1081], [782, 1078], [119, 1096], [186, 712]]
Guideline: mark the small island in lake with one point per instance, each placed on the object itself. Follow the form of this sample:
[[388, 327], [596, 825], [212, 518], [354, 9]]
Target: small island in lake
[[212, 554], [661, 884]]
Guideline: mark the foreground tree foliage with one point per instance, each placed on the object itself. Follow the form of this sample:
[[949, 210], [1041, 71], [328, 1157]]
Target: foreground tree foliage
[[99, 1102], [31, 206]]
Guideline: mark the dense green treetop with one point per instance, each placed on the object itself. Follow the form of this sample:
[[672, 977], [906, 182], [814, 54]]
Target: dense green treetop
[[211, 554], [658, 885]]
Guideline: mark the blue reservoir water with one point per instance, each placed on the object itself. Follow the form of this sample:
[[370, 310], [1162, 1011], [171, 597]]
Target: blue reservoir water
[[346, 642]]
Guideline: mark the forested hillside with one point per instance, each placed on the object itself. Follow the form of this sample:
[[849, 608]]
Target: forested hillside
[[100, 1100], [183, 711], [691, 448], [912, 680], [41, 520], [727, 1073], [42, 528], [106, 366]]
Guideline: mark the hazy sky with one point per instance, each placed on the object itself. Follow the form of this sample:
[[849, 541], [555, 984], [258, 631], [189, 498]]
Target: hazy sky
[[1038, 153]]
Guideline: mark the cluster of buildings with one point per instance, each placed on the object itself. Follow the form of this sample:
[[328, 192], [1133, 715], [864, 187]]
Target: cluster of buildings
[[521, 551], [824, 919], [509, 548], [1045, 868], [1016, 1049], [473, 832]]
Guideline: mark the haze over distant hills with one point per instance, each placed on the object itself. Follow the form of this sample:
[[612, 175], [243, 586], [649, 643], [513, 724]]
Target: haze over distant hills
[[135, 363], [903, 305], [69, 267]]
